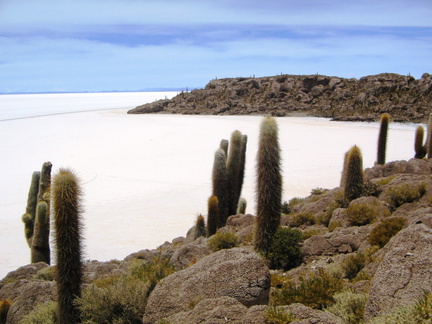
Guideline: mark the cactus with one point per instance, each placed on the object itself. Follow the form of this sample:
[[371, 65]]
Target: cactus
[[242, 164], [40, 249], [343, 175], [200, 228], [241, 209], [382, 139], [66, 195], [30, 214], [212, 215], [221, 186], [224, 146], [353, 183], [269, 185], [4, 309], [429, 137], [233, 167], [419, 148]]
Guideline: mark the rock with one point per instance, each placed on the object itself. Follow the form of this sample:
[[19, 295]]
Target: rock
[[307, 315], [190, 253], [25, 295], [404, 273], [24, 272], [239, 273]]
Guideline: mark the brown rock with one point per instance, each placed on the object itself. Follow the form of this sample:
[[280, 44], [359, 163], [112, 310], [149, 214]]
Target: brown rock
[[237, 273], [190, 253], [404, 273], [307, 315]]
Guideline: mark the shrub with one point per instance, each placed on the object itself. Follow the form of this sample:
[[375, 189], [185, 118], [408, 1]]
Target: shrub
[[349, 306], [318, 191], [275, 315], [123, 302], [353, 264], [316, 291], [288, 206], [44, 313], [385, 230], [405, 193], [362, 213], [152, 272], [221, 241], [284, 252], [300, 219], [312, 232]]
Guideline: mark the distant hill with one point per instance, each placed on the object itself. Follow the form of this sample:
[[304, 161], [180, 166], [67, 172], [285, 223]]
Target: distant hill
[[407, 99]]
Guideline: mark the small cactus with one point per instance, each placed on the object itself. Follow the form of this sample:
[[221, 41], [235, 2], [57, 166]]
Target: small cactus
[[30, 214], [66, 194], [382, 139], [269, 185], [241, 209], [200, 228], [353, 183], [213, 215], [224, 146], [4, 309], [419, 148]]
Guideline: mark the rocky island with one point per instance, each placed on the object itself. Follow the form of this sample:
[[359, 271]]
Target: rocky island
[[407, 99]]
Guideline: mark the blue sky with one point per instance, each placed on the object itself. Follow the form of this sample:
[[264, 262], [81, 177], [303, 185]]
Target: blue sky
[[104, 45]]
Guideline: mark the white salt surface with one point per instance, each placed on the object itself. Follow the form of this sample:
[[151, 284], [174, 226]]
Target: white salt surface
[[146, 177]]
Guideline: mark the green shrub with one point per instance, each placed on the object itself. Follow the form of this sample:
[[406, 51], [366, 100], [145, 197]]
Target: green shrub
[[353, 264], [275, 315], [316, 291], [349, 306], [385, 230], [221, 241], [312, 232], [405, 193], [44, 313], [318, 191], [300, 219], [122, 303], [151, 272], [284, 252], [360, 214]]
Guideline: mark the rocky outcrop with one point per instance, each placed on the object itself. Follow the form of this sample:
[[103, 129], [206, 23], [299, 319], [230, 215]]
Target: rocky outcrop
[[238, 273], [404, 97], [404, 273]]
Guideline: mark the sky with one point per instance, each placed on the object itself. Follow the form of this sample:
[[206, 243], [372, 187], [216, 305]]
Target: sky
[[132, 45]]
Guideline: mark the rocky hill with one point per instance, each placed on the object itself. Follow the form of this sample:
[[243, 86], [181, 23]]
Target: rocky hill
[[368, 260], [404, 97]]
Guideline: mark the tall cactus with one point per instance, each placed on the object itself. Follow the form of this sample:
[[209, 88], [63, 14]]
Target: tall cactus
[[40, 249], [419, 148], [212, 215], [429, 137], [220, 182], [234, 160], [269, 185], [66, 194], [382, 139], [353, 182], [29, 217], [224, 146]]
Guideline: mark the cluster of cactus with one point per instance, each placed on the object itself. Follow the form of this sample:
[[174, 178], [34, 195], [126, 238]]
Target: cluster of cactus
[[227, 181], [422, 150], [66, 195], [269, 185], [37, 217]]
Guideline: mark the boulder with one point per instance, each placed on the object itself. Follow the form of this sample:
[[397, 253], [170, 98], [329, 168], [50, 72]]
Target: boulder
[[307, 315], [404, 273], [190, 253], [238, 273]]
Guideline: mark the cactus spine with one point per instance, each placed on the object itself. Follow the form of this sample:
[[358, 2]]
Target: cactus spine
[[269, 185], [212, 215], [382, 139], [67, 216], [419, 148], [353, 183], [200, 228], [221, 186]]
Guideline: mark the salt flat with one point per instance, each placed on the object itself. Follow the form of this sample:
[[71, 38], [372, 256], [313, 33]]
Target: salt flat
[[146, 177]]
